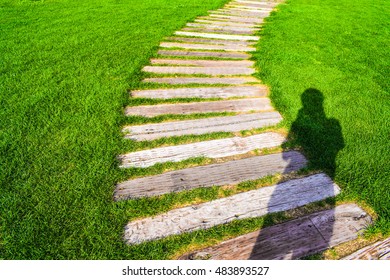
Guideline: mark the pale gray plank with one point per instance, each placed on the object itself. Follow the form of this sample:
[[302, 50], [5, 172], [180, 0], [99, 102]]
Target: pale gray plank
[[227, 23], [204, 54], [227, 173], [255, 14], [207, 47], [377, 251], [212, 71], [203, 92], [211, 149], [239, 105], [204, 63], [219, 31], [210, 81], [223, 27], [247, 9], [210, 41], [254, 4], [218, 36], [294, 239], [256, 203], [202, 126], [237, 18]]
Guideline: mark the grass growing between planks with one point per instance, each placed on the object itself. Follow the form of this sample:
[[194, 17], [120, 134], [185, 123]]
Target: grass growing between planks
[[337, 49], [65, 67]]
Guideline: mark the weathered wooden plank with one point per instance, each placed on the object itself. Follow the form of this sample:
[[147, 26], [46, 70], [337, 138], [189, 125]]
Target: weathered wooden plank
[[218, 36], [207, 47], [239, 105], [204, 54], [220, 31], [211, 149], [377, 251], [202, 126], [254, 4], [210, 41], [246, 8], [210, 81], [212, 71], [256, 203], [294, 239], [236, 18], [231, 12], [203, 63], [227, 173], [203, 92], [227, 23], [224, 27]]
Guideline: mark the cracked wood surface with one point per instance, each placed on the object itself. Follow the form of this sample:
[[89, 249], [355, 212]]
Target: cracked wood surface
[[233, 55], [377, 251], [220, 174], [213, 71], [185, 80], [239, 48], [202, 126], [211, 149]]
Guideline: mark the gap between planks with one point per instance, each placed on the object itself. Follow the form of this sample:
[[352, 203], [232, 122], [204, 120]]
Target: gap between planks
[[256, 203]]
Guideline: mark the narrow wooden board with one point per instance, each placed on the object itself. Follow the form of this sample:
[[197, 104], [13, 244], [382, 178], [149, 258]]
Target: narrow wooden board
[[227, 173], [218, 36], [203, 92], [246, 8], [377, 251], [256, 203], [224, 27], [207, 47], [254, 4], [239, 55], [210, 41], [294, 239], [211, 149], [237, 18], [239, 105], [227, 23], [219, 31], [210, 81], [255, 14], [203, 63], [202, 126], [212, 71]]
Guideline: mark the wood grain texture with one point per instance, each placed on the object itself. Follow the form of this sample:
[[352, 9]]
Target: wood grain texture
[[377, 251], [221, 26], [203, 63], [208, 81], [255, 14], [246, 9], [221, 30], [254, 4], [236, 18], [227, 23], [212, 71], [201, 126], [227, 173], [218, 36], [238, 55], [210, 41], [256, 203], [239, 105], [203, 92], [294, 239], [211, 149], [207, 47]]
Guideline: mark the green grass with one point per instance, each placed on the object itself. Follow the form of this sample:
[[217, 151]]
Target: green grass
[[66, 66]]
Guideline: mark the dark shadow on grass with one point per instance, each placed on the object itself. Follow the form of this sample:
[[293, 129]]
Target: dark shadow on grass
[[320, 139]]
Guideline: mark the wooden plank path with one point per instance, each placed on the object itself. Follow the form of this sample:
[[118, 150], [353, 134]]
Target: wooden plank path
[[377, 251], [203, 92], [209, 58], [292, 240], [201, 126], [256, 203], [221, 174], [239, 105], [212, 149]]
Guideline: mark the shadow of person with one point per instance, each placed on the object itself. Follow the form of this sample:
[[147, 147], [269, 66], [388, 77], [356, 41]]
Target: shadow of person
[[320, 139]]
